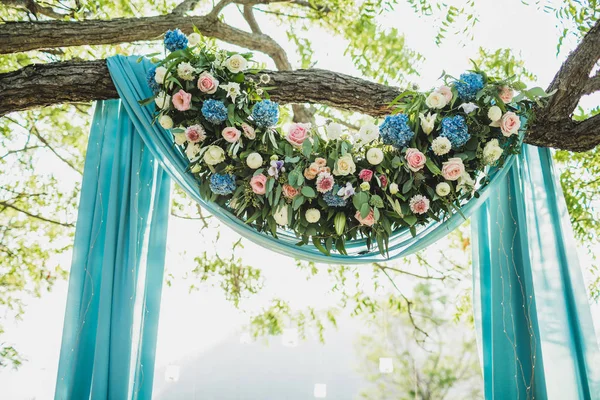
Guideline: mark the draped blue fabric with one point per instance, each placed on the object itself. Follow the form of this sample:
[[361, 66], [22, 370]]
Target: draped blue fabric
[[111, 319], [530, 300]]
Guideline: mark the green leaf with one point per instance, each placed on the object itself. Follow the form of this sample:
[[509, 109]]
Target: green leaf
[[410, 219], [270, 185], [432, 167], [407, 186], [365, 209], [319, 246], [309, 192], [307, 148]]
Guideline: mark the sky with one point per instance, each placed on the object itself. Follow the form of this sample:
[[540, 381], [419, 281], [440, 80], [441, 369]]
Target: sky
[[195, 323]]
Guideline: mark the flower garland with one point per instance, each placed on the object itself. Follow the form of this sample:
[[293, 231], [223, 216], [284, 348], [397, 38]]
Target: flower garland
[[326, 185]]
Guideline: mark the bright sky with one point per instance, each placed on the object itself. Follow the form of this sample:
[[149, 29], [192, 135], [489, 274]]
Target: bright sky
[[192, 324]]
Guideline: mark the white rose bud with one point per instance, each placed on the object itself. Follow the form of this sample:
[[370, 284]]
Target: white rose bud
[[442, 189], [393, 188], [236, 63], [494, 113], [427, 122], [334, 131], [365, 186], [254, 160], [194, 39], [166, 122], [163, 100], [374, 156], [312, 215], [195, 169], [180, 138], [159, 74], [435, 100], [281, 215]]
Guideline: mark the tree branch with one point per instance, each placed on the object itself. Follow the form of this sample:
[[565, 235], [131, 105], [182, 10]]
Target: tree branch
[[34, 8], [251, 20], [593, 84], [185, 6], [36, 216]]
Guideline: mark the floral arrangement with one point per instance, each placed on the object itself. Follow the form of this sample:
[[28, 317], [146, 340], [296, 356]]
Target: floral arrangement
[[323, 183]]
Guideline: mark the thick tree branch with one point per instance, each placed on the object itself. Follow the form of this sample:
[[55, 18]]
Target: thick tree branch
[[34, 8], [592, 85]]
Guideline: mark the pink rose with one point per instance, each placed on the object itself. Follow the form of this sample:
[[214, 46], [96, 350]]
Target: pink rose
[[506, 94], [289, 192], [415, 159], [207, 83], [324, 182], [366, 175], [383, 180], [297, 134], [231, 134], [446, 92], [419, 204], [453, 169], [249, 131], [510, 124], [369, 220], [195, 133], [182, 100], [259, 184]]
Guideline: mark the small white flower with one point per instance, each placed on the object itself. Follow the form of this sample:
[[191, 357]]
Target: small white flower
[[254, 160], [374, 156], [312, 215], [281, 215], [180, 138], [265, 78], [365, 186], [442, 189], [236, 63], [192, 150], [159, 74], [468, 108], [259, 91], [194, 39], [441, 145], [465, 183], [346, 191], [232, 89], [186, 71], [393, 188], [494, 113], [427, 122], [492, 151], [334, 131], [166, 122], [163, 100], [435, 100], [368, 133]]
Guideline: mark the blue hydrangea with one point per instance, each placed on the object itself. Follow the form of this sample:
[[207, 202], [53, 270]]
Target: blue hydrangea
[[468, 85], [222, 184], [265, 113], [214, 111], [152, 84], [175, 40], [455, 129], [395, 131], [332, 199]]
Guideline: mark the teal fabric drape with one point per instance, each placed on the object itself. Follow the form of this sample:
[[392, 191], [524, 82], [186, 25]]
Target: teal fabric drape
[[531, 305], [111, 319]]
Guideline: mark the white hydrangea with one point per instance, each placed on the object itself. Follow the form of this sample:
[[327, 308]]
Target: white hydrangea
[[441, 145], [492, 151], [368, 133], [334, 131], [186, 71]]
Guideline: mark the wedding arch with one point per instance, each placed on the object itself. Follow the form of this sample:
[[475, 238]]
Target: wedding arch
[[531, 309]]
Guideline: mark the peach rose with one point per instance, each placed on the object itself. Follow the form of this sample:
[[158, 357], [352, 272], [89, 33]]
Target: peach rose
[[311, 172], [452, 169], [231, 134], [289, 192], [415, 159], [510, 124], [321, 162], [182, 100], [446, 92], [369, 220], [506, 94], [297, 134], [259, 184], [207, 83], [249, 131]]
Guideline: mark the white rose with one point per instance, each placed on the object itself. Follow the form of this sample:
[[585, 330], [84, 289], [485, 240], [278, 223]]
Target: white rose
[[368, 133], [492, 151], [159, 75], [194, 39], [374, 156], [214, 155], [281, 216], [334, 131], [427, 122], [441, 145], [393, 188], [254, 160], [166, 122], [192, 150], [494, 113], [236, 63], [435, 100], [180, 138], [186, 71], [312, 215], [442, 189], [344, 166], [162, 100]]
